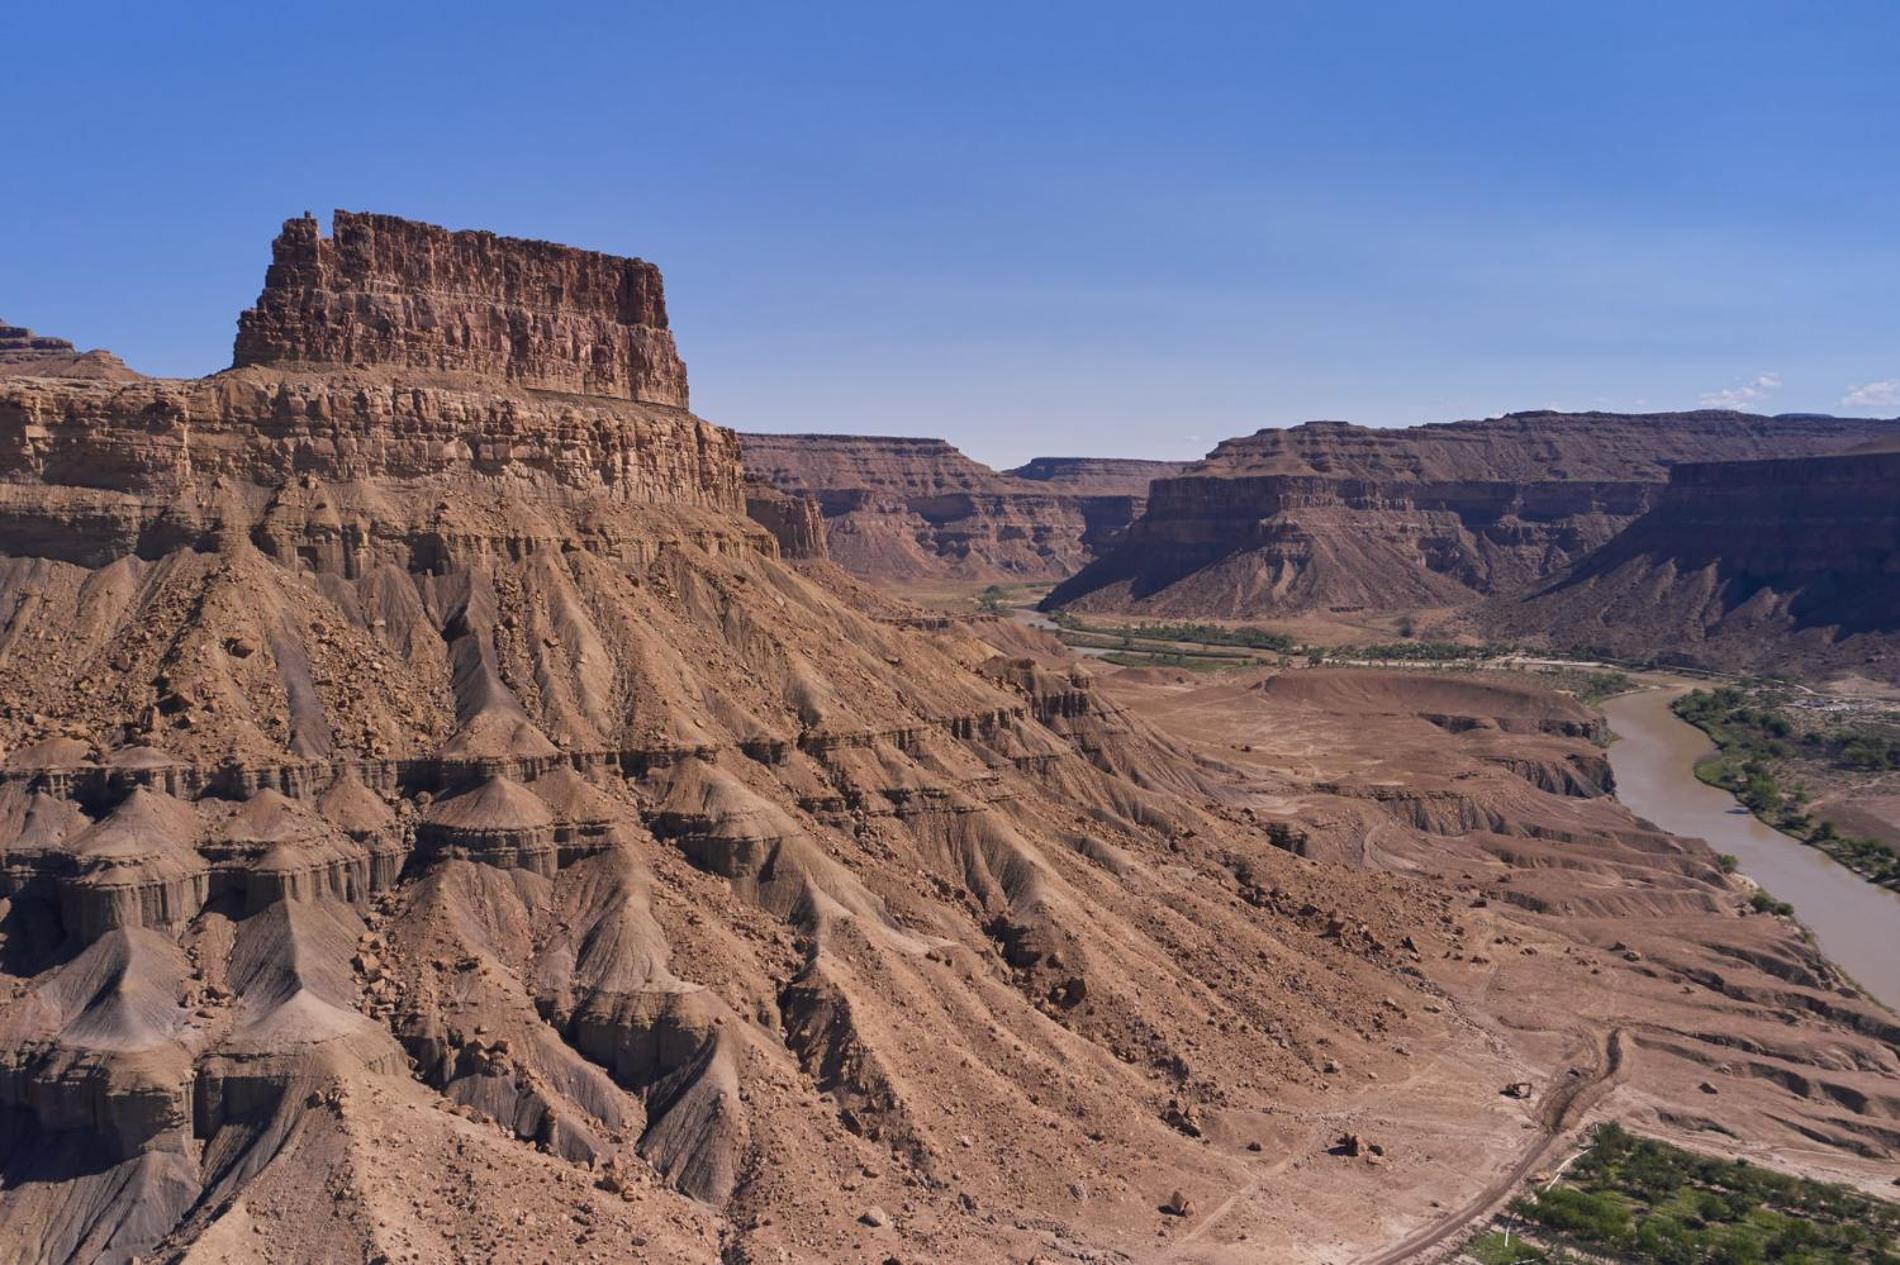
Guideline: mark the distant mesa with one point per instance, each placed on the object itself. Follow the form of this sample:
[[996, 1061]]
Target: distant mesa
[[1329, 516], [903, 509], [24, 353]]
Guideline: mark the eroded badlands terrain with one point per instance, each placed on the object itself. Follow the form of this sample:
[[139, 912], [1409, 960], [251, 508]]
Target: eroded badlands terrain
[[438, 823]]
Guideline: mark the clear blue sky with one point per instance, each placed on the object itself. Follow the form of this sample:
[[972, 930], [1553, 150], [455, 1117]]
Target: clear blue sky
[[1126, 229]]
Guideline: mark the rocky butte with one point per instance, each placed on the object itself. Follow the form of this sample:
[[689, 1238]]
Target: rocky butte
[[1328, 516], [911, 510], [394, 293], [437, 823]]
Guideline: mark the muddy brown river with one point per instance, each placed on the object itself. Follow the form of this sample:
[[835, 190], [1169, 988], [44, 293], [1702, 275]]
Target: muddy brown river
[[1856, 923]]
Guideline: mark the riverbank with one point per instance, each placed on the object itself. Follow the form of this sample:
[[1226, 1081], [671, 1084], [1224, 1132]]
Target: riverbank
[[1654, 756], [1774, 761]]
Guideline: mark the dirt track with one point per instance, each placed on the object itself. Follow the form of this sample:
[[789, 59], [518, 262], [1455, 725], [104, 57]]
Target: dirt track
[[1564, 1105]]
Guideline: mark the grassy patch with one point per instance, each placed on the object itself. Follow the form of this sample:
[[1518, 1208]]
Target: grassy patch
[[1645, 1202], [1244, 636]]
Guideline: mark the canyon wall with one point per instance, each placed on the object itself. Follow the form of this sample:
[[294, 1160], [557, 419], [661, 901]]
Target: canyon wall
[[1329, 516], [435, 824], [383, 291], [906, 510], [1786, 565]]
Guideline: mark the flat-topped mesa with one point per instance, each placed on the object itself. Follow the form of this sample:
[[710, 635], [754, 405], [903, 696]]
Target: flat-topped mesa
[[387, 291], [1534, 446], [24, 354], [1742, 566], [1333, 516], [1106, 476]]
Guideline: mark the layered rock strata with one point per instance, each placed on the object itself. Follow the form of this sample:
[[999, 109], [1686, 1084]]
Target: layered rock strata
[[383, 291], [1333, 517], [1784, 565], [908, 510], [436, 824]]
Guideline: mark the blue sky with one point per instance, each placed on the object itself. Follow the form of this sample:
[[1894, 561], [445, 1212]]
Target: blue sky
[[1124, 229]]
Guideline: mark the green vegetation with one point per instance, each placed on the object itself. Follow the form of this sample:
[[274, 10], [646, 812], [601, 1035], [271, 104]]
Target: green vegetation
[[1419, 652], [1756, 743], [1494, 1247], [1641, 1201], [1590, 686], [1192, 662], [993, 600], [1763, 903], [1245, 636]]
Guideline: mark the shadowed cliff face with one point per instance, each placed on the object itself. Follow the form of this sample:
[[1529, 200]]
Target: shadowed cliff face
[[1331, 516], [907, 510], [1741, 565], [389, 292]]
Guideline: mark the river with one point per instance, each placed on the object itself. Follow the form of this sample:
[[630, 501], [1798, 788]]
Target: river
[[1856, 923]]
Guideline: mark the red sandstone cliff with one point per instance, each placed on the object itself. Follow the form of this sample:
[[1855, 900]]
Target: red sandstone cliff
[[435, 825], [383, 291]]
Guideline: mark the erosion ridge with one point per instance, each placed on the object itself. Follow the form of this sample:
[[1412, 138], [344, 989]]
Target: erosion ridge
[[1781, 565], [437, 823], [913, 509], [1332, 516]]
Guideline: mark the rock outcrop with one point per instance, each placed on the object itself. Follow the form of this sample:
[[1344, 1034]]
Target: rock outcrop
[[796, 522], [1329, 516], [906, 510], [1785, 565], [388, 292], [24, 353], [435, 824]]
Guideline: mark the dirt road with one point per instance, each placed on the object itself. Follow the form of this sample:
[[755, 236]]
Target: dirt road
[[1564, 1104]]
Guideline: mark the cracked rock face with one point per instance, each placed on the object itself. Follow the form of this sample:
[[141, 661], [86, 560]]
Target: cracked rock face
[[383, 291]]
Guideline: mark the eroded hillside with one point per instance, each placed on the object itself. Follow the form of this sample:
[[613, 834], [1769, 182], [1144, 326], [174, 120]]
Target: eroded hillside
[[439, 825]]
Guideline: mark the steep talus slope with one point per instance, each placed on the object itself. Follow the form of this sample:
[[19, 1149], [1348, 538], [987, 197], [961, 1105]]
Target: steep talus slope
[[438, 825], [1331, 516], [908, 510], [1786, 565]]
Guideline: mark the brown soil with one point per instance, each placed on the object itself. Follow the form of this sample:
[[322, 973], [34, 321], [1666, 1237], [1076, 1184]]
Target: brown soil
[[437, 824]]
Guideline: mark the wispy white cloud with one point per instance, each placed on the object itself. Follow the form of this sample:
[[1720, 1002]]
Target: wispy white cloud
[[1882, 394], [1743, 395]]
